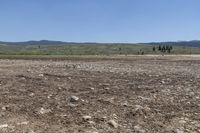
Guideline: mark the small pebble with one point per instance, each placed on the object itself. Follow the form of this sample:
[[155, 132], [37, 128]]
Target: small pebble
[[87, 118]]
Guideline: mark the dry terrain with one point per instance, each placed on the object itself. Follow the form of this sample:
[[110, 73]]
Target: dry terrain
[[142, 94]]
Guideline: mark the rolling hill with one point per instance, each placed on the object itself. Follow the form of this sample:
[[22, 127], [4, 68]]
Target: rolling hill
[[194, 43]]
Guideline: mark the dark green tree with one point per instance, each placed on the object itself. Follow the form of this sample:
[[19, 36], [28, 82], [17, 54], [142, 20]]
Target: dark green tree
[[167, 47], [159, 48], [169, 50], [120, 50], [163, 49], [154, 48], [170, 47]]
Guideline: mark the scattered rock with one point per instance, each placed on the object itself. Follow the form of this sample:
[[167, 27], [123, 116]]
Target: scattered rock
[[23, 123], [191, 93], [29, 131], [144, 98], [182, 122], [74, 99], [91, 88], [113, 123], [4, 126], [5, 108], [31, 94], [140, 110], [44, 111], [41, 75], [72, 105], [103, 118], [138, 129], [49, 96], [137, 107], [162, 82], [91, 122], [115, 116], [125, 104], [107, 88], [180, 130], [87, 118]]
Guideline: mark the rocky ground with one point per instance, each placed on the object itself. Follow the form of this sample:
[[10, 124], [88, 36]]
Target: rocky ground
[[138, 94]]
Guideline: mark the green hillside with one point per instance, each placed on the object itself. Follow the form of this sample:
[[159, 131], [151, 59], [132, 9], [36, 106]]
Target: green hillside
[[91, 49]]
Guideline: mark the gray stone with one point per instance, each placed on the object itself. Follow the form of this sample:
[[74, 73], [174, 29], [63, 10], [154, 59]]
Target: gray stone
[[138, 129], [44, 111], [72, 105], [180, 130], [113, 123], [29, 131], [182, 122]]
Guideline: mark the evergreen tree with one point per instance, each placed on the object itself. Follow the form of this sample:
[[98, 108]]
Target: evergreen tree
[[154, 48], [120, 50], [159, 48], [163, 49], [167, 48], [170, 47]]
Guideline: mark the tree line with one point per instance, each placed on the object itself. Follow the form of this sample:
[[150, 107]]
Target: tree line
[[163, 48]]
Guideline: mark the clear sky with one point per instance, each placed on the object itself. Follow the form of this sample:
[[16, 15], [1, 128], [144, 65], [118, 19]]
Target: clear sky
[[100, 20]]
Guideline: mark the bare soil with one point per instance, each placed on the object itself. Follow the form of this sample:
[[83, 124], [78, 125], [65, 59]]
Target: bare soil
[[148, 94]]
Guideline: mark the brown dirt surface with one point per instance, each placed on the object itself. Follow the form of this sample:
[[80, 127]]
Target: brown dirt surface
[[149, 94]]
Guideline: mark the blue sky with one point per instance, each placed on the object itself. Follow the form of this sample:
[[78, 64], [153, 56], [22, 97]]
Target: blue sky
[[100, 20]]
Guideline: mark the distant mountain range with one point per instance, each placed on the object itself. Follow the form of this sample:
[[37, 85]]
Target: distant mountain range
[[194, 43]]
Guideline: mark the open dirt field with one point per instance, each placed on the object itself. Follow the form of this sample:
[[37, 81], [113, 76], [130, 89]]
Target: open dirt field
[[138, 94]]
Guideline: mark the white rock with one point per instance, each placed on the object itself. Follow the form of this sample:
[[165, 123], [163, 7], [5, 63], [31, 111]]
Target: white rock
[[44, 111], [91, 88], [87, 118], [107, 88], [74, 99], [91, 122], [5, 107], [49, 96], [162, 82], [4, 126], [31, 94], [103, 118], [23, 123], [41, 75]]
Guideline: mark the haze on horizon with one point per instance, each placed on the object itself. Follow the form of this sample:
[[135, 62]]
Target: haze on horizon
[[100, 20]]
